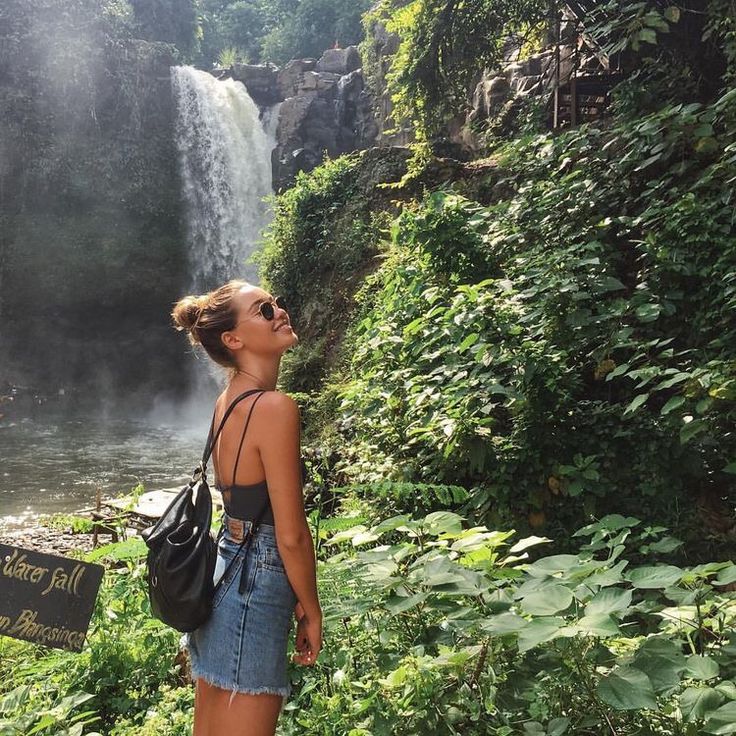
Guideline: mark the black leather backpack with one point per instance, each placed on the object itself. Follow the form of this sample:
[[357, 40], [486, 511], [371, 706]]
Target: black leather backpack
[[181, 550]]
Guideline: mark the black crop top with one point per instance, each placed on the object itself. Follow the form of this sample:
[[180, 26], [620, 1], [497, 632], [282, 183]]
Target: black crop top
[[247, 501]]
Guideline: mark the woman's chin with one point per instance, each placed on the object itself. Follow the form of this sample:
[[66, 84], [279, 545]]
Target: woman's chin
[[291, 339]]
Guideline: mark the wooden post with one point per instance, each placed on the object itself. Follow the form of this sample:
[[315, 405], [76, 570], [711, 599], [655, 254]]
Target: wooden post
[[573, 101], [96, 527]]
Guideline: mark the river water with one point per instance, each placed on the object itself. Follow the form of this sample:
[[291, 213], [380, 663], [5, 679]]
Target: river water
[[50, 465]]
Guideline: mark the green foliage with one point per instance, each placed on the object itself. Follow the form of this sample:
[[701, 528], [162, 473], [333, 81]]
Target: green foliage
[[443, 45], [325, 230], [171, 716], [264, 30], [76, 524], [414, 498], [314, 26], [721, 28], [172, 21], [572, 340], [667, 53], [125, 671], [20, 715], [432, 627], [618, 25], [675, 57], [230, 56], [237, 25]]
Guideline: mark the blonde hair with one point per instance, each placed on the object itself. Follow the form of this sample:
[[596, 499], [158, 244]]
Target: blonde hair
[[206, 317]]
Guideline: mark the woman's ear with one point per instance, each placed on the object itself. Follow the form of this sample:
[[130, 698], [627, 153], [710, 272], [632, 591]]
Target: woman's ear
[[230, 340]]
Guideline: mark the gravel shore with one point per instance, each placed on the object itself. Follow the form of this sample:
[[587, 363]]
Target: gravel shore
[[52, 540]]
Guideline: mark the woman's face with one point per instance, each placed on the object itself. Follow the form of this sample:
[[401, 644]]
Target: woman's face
[[253, 331]]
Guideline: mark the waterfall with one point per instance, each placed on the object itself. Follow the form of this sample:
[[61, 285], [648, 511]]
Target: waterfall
[[225, 164]]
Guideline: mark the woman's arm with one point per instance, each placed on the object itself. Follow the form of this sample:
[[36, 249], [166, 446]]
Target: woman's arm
[[279, 448]]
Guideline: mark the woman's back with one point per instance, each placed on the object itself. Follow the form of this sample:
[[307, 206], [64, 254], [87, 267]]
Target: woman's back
[[234, 450]]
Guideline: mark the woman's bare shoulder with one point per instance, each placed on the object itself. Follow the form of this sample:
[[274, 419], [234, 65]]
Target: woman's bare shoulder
[[276, 403]]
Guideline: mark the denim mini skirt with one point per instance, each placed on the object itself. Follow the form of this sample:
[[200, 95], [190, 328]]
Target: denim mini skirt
[[242, 646]]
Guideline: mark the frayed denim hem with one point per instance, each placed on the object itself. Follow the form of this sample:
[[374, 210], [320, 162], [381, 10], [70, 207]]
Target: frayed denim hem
[[284, 692]]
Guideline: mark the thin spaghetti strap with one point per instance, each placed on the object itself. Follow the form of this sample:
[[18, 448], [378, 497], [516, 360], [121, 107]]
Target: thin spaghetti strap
[[242, 437], [210, 445]]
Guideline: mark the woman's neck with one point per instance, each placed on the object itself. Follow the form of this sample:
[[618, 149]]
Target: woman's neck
[[256, 374]]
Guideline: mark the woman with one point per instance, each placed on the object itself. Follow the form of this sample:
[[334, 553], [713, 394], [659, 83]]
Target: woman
[[238, 655]]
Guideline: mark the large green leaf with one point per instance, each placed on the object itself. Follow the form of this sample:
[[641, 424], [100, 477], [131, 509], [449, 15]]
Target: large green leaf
[[552, 565], [656, 576], [539, 631], [697, 703], [662, 661], [635, 403], [701, 668], [597, 624], [609, 600], [691, 429], [550, 600], [504, 623], [443, 521], [609, 523], [527, 542], [611, 576], [726, 576], [467, 582], [129, 549], [727, 688], [673, 403], [558, 726], [722, 721], [627, 688], [397, 604]]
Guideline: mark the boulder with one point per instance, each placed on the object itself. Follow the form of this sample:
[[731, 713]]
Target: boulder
[[324, 108], [327, 80], [292, 113], [289, 78], [260, 80], [309, 80], [488, 97], [339, 61]]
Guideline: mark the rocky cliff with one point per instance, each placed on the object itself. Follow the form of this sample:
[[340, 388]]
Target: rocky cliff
[[324, 108], [91, 248]]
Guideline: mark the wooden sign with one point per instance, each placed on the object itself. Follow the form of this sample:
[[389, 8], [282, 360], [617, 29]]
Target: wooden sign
[[46, 599]]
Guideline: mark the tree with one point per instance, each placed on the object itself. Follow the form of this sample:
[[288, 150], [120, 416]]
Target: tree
[[315, 26], [172, 21]]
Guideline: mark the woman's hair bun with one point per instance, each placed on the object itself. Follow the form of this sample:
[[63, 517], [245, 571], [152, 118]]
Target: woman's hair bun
[[186, 313], [206, 317]]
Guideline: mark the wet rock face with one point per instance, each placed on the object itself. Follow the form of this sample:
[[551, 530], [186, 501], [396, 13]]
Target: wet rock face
[[325, 108], [92, 211], [260, 80], [290, 77]]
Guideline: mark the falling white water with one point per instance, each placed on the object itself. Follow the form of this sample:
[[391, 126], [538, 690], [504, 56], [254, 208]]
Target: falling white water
[[225, 163]]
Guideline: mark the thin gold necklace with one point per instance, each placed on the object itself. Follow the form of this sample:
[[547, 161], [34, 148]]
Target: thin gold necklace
[[252, 376]]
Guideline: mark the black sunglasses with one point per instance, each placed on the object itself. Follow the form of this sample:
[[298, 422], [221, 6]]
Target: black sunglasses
[[266, 308]]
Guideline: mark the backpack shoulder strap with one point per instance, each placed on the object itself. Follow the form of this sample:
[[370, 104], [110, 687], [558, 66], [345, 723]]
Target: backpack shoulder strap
[[209, 446]]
